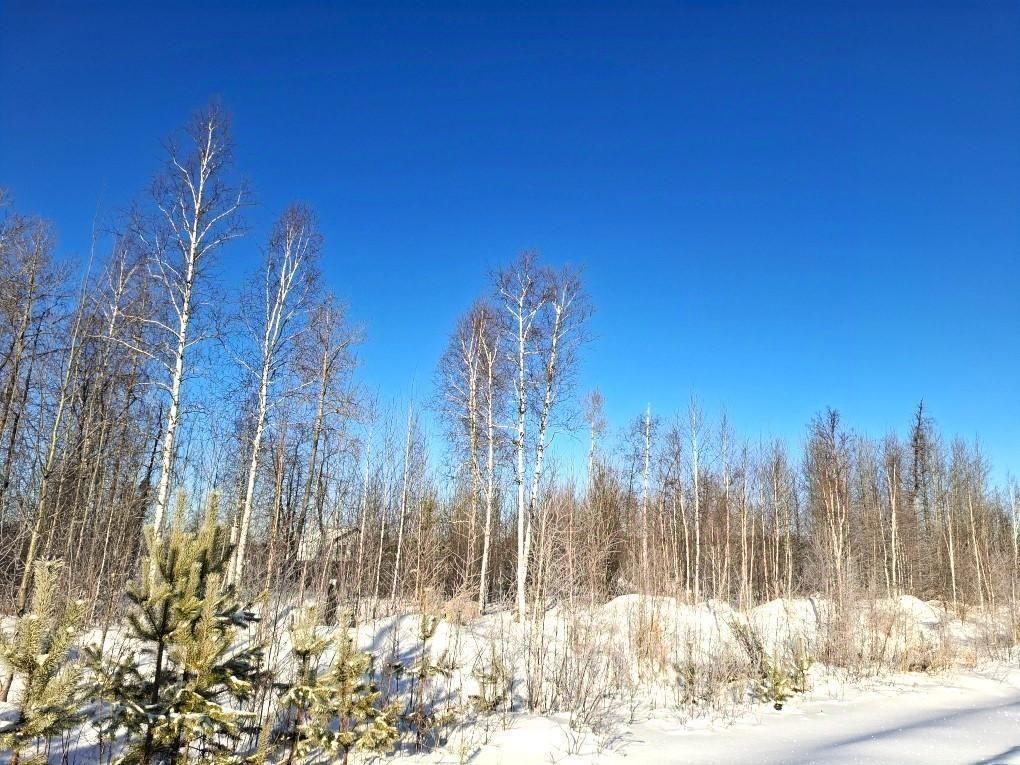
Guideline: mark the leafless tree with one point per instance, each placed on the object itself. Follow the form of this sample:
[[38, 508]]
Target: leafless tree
[[274, 319], [197, 213], [545, 314]]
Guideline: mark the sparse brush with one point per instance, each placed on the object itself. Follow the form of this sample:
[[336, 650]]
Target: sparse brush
[[686, 673], [494, 685]]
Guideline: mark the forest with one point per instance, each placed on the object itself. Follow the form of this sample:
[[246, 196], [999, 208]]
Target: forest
[[212, 533]]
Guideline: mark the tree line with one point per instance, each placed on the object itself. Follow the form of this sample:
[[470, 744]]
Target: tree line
[[132, 390]]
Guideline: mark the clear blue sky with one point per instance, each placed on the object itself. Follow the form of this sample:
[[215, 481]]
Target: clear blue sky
[[779, 206]]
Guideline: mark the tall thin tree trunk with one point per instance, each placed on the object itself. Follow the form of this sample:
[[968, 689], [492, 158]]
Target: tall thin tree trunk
[[490, 484], [403, 504]]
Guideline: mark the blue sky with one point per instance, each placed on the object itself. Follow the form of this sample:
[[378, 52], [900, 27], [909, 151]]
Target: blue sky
[[779, 206]]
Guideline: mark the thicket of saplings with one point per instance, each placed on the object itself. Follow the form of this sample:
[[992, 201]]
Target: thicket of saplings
[[198, 503]]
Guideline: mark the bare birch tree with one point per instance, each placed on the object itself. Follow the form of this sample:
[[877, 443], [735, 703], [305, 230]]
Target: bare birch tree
[[197, 215], [545, 313], [275, 321]]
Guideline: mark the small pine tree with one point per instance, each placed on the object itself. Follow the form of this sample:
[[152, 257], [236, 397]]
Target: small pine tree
[[774, 684], [47, 683], [801, 666], [424, 719], [330, 708], [776, 680], [307, 691], [179, 691]]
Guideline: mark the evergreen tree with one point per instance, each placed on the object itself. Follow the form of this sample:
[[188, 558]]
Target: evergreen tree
[[425, 720], [46, 681], [331, 708], [180, 690]]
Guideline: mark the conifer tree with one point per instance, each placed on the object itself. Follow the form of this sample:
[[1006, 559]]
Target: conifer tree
[[179, 691], [331, 708], [46, 680], [424, 719]]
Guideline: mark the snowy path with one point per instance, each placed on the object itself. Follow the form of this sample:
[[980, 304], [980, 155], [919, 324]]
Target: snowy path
[[969, 719]]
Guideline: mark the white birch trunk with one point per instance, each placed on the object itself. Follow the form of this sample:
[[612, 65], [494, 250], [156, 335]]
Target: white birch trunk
[[490, 475], [403, 504]]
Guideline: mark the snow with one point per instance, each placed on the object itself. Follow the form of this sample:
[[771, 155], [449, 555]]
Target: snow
[[785, 622], [954, 714], [963, 708], [971, 718], [699, 633]]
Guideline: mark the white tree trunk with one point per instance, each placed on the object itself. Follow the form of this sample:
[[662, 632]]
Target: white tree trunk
[[523, 525], [279, 312], [173, 414], [403, 503], [490, 476], [696, 468], [644, 495], [198, 211]]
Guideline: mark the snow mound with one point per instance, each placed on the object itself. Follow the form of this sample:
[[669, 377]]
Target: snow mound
[[663, 628], [921, 613], [789, 624]]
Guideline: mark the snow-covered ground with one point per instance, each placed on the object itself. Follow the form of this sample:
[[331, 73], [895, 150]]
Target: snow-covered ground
[[971, 718], [655, 680], [964, 708]]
